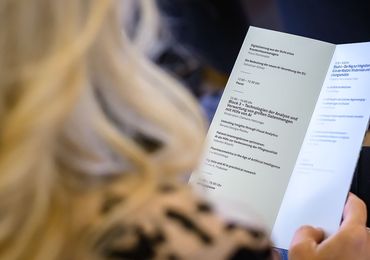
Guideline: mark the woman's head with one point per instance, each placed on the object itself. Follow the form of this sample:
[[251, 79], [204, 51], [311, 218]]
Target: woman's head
[[76, 97]]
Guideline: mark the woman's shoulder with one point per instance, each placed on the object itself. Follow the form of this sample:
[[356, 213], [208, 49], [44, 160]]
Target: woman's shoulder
[[176, 224]]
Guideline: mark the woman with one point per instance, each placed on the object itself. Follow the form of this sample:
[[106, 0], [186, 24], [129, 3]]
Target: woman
[[89, 163]]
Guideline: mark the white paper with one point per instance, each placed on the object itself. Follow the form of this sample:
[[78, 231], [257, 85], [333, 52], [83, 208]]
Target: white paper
[[287, 133]]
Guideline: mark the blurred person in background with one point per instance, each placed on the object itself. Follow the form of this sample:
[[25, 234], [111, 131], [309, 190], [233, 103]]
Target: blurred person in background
[[93, 138], [203, 40], [196, 41]]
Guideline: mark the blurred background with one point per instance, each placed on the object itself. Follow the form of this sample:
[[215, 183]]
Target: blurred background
[[201, 38]]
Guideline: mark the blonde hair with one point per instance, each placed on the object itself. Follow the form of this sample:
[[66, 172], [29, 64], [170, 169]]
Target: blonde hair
[[74, 91]]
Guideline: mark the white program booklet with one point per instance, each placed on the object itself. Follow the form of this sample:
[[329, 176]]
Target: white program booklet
[[287, 133]]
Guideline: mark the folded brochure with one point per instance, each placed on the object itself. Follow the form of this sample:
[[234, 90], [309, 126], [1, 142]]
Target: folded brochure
[[287, 133]]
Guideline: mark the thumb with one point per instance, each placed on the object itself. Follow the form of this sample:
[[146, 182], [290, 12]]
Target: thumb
[[355, 212]]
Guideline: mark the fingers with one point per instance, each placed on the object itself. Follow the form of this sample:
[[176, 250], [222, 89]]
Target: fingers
[[354, 211], [305, 242], [352, 241], [307, 234]]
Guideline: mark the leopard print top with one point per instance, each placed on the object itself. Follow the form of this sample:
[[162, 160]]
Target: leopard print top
[[174, 224]]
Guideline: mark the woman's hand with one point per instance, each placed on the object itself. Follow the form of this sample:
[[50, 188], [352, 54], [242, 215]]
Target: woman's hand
[[351, 242]]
